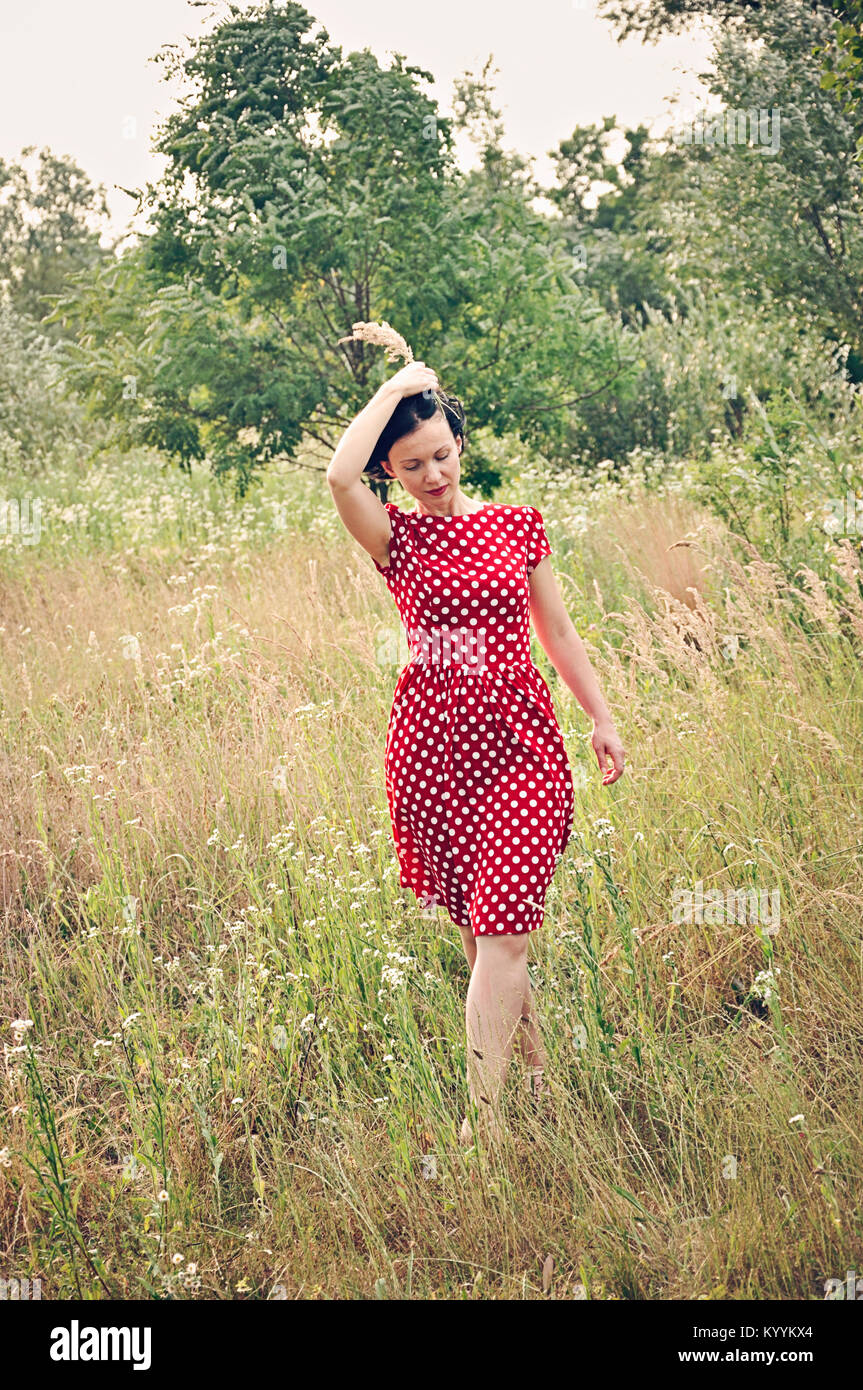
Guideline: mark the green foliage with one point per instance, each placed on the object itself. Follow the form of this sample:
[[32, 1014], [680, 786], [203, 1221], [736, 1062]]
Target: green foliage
[[843, 64], [784, 485], [47, 231], [306, 190], [38, 417], [738, 269], [661, 17], [610, 234], [121, 360], [783, 223], [692, 376], [675, 290]]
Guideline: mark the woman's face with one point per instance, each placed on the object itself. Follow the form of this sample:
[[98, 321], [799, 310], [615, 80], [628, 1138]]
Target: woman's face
[[427, 459]]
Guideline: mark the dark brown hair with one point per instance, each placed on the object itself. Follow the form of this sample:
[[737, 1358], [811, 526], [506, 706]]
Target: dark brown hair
[[409, 414]]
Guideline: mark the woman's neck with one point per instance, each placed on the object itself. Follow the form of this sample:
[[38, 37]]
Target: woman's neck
[[461, 506]]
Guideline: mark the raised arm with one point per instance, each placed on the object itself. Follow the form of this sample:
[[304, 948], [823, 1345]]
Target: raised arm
[[363, 514]]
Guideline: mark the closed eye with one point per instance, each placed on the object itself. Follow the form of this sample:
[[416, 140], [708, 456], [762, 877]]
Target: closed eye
[[438, 457]]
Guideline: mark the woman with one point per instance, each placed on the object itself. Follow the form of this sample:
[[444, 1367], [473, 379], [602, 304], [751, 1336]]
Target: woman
[[478, 780]]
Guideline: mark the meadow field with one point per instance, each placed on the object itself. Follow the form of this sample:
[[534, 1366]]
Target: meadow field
[[234, 1049]]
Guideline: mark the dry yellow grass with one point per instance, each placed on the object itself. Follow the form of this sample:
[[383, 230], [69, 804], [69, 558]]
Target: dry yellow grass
[[246, 1055]]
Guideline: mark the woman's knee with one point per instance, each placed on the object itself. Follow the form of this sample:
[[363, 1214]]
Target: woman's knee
[[508, 951]]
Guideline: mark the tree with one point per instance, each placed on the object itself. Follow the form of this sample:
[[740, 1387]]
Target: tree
[[751, 257], [306, 190], [48, 231], [38, 419], [611, 239], [779, 220], [843, 64], [654, 19]]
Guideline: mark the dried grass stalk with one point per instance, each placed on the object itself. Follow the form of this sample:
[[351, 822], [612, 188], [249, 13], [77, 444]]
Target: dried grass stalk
[[382, 335], [385, 336]]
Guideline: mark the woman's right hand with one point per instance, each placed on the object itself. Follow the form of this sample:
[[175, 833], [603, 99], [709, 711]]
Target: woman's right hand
[[412, 379]]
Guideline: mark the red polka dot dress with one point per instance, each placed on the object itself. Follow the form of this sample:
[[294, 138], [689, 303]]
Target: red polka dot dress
[[478, 780]]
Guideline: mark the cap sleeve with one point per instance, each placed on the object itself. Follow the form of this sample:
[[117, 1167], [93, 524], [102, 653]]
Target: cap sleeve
[[394, 514], [537, 541]]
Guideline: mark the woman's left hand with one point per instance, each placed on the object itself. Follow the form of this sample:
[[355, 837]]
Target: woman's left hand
[[608, 749]]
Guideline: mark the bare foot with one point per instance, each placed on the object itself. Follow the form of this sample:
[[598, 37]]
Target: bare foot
[[539, 1096], [489, 1127]]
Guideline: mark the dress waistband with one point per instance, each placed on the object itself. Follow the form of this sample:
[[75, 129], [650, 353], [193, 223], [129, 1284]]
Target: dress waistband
[[463, 648], [478, 667]]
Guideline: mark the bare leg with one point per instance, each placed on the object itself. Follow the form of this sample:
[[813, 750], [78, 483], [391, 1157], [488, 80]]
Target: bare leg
[[528, 1038], [495, 1001], [469, 943]]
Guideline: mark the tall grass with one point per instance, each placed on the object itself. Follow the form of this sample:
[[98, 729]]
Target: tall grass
[[245, 1069]]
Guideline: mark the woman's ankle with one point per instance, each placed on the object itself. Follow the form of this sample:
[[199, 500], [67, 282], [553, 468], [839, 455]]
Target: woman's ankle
[[536, 1080]]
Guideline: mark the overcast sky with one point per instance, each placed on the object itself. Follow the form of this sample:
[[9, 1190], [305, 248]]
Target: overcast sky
[[76, 76]]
